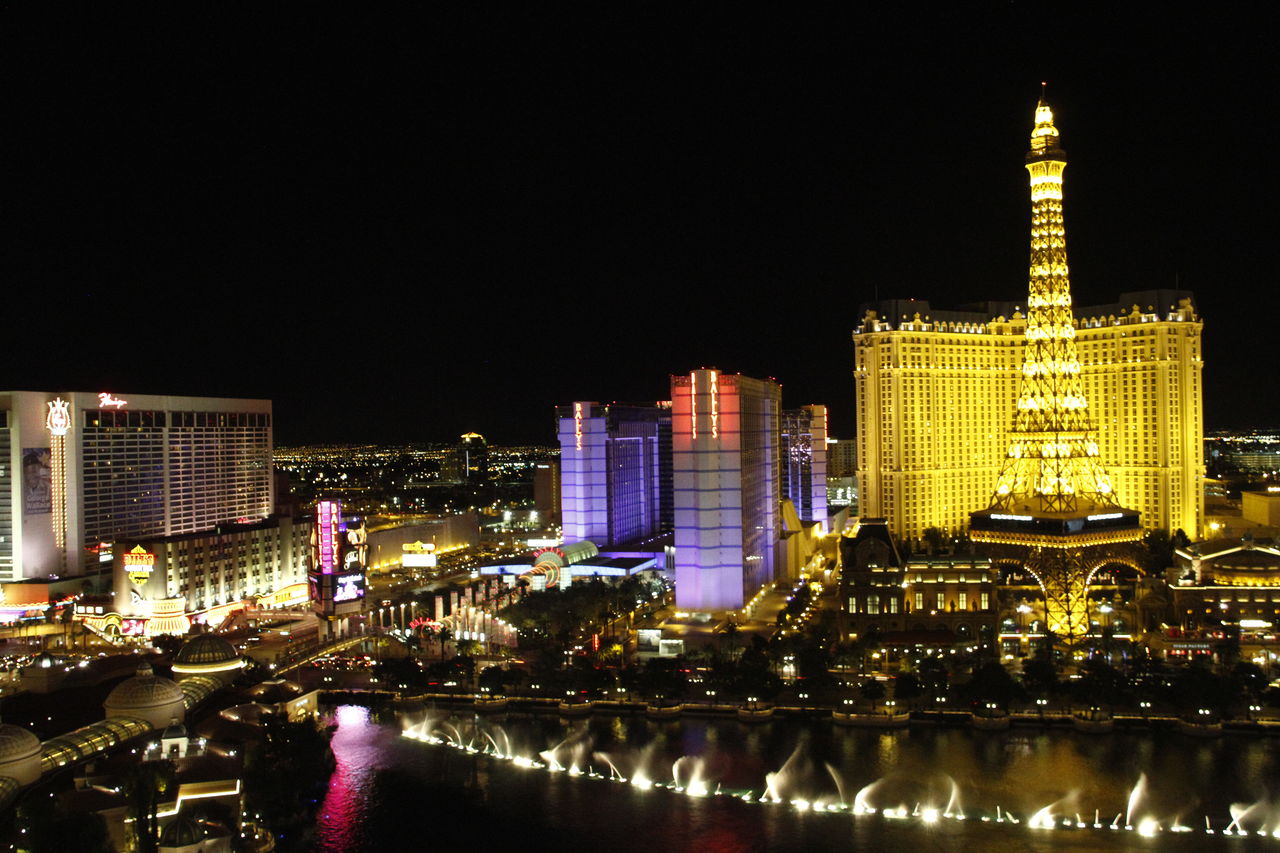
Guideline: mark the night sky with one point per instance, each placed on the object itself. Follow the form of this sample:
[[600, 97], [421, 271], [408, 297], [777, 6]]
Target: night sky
[[407, 228]]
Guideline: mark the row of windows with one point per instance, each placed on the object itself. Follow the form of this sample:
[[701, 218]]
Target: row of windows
[[116, 418], [875, 604]]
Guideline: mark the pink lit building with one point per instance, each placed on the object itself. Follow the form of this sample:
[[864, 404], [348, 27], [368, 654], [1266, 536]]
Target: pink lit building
[[725, 459]]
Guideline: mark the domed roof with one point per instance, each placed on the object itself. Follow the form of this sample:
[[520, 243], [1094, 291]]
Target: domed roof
[[175, 729], [181, 832], [144, 690], [206, 648], [17, 743]]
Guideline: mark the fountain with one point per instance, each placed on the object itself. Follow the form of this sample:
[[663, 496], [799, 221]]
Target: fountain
[[798, 786]]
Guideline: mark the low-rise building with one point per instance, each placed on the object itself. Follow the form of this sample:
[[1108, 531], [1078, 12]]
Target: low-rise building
[[882, 590]]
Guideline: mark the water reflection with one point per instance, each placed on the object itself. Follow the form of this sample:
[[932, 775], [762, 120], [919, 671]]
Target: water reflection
[[358, 745]]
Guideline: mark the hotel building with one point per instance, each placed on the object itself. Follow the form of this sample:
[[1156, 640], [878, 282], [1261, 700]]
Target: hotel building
[[83, 470], [934, 390], [164, 579], [725, 432], [935, 600], [615, 472], [804, 462]]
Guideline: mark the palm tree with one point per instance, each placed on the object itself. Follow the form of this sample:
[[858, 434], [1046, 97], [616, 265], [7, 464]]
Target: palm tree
[[730, 632], [444, 635], [145, 784]]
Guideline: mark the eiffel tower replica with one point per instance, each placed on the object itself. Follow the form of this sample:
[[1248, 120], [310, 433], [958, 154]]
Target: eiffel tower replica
[[1054, 509]]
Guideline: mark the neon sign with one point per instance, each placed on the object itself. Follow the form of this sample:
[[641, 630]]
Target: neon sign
[[715, 407], [326, 535], [693, 402], [58, 421], [577, 424], [139, 565], [107, 401]]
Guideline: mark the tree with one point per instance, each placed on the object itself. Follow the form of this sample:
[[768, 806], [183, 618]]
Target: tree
[[872, 690], [145, 784], [286, 773], [991, 682], [730, 634], [813, 663], [48, 828], [907, 687], [1040, 673], [662, 678], [1157, 547], [444, 635], [1249, 681], [933, 675], [1099, 683], [1196, 687]]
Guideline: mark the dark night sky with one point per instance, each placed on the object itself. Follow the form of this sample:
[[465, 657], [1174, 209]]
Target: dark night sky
[[402, 229]]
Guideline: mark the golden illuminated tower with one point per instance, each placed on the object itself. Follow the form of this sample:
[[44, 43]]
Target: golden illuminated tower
[[1054, 505]]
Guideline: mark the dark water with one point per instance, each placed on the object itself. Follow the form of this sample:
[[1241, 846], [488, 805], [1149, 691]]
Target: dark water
[[393, 793]]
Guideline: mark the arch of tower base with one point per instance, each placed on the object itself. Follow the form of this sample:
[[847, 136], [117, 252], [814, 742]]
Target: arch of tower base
[[1065, 578]]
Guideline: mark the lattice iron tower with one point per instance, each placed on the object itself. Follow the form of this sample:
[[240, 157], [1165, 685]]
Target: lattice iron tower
[[1054, 506]]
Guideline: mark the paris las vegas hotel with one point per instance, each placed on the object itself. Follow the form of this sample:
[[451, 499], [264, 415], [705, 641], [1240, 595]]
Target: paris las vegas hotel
[[935, 388]]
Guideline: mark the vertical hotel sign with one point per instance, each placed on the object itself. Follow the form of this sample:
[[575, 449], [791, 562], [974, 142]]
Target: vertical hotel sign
[[58, 422], [328, 515]]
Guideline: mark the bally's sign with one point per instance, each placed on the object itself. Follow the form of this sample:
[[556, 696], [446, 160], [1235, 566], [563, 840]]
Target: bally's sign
[[139, 565]]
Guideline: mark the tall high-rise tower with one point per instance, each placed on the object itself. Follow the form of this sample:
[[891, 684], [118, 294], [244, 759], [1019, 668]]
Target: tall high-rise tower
[[724, 436], [1054, 502]]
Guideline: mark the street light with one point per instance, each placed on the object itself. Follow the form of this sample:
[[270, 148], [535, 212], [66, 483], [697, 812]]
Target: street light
[[1023, 610]]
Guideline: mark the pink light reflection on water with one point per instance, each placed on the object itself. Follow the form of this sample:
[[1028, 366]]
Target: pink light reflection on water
[[356, 747]]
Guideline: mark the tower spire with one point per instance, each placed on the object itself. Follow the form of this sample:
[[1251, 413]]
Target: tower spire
[[1052, 462], [1054, 506]]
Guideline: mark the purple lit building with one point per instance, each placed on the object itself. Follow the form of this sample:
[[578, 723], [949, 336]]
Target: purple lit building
[[725, 456], [615, 472]]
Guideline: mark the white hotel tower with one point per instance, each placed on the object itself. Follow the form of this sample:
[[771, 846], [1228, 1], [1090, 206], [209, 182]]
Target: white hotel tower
[[82, 468]]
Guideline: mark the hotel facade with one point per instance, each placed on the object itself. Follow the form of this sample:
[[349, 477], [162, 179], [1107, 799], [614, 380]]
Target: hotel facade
[[84, 470], [934, 390], [615, 472], [727, 490]]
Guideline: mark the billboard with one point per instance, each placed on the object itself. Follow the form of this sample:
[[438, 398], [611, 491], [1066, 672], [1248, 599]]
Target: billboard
[[418, 555], [37, 481], [348, 587], [357, 542]]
